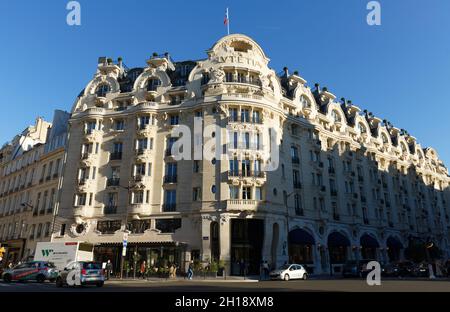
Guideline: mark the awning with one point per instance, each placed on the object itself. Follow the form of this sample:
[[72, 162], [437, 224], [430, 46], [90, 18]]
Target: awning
[[394, 243], [337, 239], [301, 237], [369, 241]]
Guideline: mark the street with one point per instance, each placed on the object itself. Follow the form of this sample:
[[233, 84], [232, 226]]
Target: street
[[334, 285]]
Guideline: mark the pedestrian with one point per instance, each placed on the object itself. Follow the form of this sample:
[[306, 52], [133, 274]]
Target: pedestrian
[[261, 271], [143, 269], [242, 267], [108, 269], [190, 272], [266, 270], [171, 271]]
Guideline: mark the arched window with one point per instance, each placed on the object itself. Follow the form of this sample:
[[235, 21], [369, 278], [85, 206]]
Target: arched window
[[153, 83], [361, 128], [305, 102], [404, 149], [102, 90], [335, 115], [384, 138]]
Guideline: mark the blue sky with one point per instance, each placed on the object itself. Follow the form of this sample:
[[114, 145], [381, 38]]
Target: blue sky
[[399, 70]]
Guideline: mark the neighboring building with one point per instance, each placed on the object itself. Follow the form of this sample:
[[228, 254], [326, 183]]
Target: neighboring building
[[345, 184], [30, 168]]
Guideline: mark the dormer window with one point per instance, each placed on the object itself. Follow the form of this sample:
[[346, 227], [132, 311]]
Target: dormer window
[[102, 90], [336, 117], [153, 83], [361, 128], [304, 101]]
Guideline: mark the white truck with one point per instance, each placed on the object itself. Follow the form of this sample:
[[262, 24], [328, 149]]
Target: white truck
[[60, 254]]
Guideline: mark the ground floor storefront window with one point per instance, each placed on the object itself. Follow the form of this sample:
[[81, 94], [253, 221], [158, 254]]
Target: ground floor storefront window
[[142, 259]]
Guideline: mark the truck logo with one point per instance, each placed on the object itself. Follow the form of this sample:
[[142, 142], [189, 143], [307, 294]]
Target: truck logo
[[46, 252]]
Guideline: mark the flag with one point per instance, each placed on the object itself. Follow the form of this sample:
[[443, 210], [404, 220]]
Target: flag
[[226, 20]]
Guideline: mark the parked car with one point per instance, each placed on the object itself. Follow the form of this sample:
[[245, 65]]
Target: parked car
[[80, 273], [356, 268], [289, 271], [421, 270], [399, 269], [39, 271]]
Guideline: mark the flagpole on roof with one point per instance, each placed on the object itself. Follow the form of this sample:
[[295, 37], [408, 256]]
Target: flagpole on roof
[[228, 22]]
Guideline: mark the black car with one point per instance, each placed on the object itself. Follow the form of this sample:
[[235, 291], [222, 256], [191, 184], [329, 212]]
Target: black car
[[356, 268]]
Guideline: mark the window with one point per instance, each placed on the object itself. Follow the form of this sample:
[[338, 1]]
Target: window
[[102, 90], [174, 119], [196, 166], [234, 114], [246, 167], [246, 192], [170, 200], [153, 83], [167, 225], [234, 192], [294, 154], [256, 116], [80, 199], [144, 121], [196, 194], [335, 116], [298, 205], [257, 141], [138, 226], [138, 197], [119, 125], [142, 144], [47, 229], [139, 169], [109, 227], [39, 231], [172, 170], [245, 115], [258, 193]]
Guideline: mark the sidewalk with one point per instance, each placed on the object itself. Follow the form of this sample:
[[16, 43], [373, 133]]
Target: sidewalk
[[228, 279]]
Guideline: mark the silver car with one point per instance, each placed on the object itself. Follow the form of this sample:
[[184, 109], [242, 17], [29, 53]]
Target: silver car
[[289, 271], [80, 273]]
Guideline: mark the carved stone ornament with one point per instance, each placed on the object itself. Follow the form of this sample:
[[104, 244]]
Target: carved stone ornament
[[217, 75], [79, 228]]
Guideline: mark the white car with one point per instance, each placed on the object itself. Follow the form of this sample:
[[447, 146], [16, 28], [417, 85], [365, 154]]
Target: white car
[[289, 271]]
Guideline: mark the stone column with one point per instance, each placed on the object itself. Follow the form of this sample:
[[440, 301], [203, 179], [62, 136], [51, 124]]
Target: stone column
[[225, 243]]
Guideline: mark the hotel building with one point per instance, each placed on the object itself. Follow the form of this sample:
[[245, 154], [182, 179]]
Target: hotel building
[[340, 182]]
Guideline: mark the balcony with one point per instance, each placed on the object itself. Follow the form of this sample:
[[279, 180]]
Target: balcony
[[246, 174], [169, 207], [322, 188], [366, 221], [116, 156], [242, 204], [297, 185], [138, 178], [55, 176], [82, 181], [48, 178], [168, 152], [333, 193], [331, 170], [113, 182], [110, 209], [360, 178], [336, 216], [170, 179], [140, 151]]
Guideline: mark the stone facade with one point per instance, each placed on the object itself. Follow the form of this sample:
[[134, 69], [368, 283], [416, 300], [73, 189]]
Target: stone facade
[[30, 168], [306, 178]]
